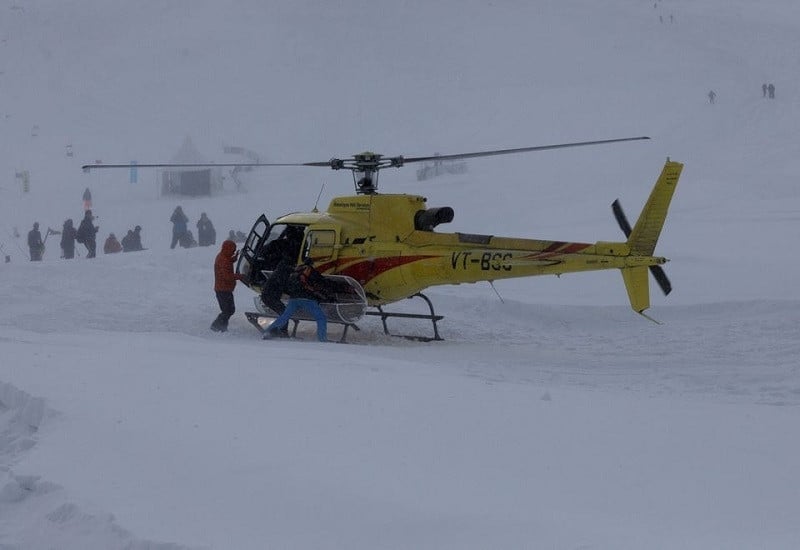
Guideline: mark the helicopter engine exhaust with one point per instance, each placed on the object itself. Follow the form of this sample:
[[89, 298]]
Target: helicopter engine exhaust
[[426, 220]]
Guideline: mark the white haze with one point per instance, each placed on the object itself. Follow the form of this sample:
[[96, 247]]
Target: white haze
[[555, 418]]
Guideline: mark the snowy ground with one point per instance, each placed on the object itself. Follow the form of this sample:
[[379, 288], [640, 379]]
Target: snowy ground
[[557, 418]]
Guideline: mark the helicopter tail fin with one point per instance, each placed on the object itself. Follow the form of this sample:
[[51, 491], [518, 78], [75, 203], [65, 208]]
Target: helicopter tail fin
[[642, 239], [638, 287], [644, 235]]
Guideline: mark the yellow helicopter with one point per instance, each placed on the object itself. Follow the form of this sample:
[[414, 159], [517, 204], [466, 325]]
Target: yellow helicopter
[[377, 248]]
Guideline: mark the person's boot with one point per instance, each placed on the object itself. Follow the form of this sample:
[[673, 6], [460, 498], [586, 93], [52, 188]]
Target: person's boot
[[276, 333]]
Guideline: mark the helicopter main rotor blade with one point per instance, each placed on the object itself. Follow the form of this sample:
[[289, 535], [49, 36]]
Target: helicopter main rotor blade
[[518, 150], [87, 167], [356, 163]]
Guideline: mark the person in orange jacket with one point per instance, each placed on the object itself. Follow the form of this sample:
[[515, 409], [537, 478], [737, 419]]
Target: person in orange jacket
[[112, 245], [224, 283]]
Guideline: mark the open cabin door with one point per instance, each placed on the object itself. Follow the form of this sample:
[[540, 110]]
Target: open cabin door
[[249, 260]]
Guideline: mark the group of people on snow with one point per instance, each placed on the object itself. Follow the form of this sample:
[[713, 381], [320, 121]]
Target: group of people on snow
[[305, 287], [303, 284], [183, 236], [767, 91], [131, 242], [85, 234], [206, 233]]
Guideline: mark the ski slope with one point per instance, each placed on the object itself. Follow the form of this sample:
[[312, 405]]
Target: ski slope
[[551, 416]]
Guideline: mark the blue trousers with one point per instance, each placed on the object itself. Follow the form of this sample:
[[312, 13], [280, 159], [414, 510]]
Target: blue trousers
[[312, 307]]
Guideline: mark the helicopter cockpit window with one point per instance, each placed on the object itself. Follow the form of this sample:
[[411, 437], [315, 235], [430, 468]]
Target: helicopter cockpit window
[[320, 244]]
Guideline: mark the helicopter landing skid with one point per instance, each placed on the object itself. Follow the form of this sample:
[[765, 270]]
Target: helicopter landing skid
[[261, 321], [432, 317]]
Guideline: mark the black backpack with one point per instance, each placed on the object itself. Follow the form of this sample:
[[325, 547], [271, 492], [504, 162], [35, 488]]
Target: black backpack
[[294, 287]]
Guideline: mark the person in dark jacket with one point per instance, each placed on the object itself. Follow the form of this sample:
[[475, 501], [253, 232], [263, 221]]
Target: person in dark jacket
[[127, 241], [187, 240], [35, 244], [206, 234], [87, 234], [306, 289], [179, 225], [137, 238], [275, 287], [68, 234], [132, 241], [224, 283]]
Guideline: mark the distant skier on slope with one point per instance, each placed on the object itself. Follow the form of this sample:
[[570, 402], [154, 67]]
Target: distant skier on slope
[[35, 244]]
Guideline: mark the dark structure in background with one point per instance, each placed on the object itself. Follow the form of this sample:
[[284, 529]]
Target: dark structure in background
[[191, 182], [186, 182]]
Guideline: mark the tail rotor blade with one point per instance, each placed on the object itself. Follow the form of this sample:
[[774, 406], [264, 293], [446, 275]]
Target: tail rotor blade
[[661, 279], [619, 214]]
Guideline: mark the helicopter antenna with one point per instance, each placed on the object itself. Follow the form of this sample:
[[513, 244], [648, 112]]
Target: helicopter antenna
[[318, 196], [491, 283]]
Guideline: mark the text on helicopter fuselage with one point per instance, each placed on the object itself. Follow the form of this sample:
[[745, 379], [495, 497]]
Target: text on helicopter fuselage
[[486, 261]]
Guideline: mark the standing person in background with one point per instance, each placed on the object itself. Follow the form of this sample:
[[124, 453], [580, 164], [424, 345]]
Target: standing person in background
[[68, 234], [206, 234], [224, 283], [179, 225], [87, 200], [87, 234], [712, 96], [35, 244], [771, 90]]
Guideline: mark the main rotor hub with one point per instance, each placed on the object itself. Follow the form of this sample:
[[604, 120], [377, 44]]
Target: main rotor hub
[[365, 167]]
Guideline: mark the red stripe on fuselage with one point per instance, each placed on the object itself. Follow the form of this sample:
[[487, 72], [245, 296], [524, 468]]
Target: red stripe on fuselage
[[365, 270], [557, 249]]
